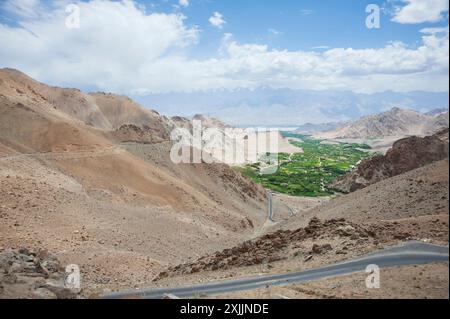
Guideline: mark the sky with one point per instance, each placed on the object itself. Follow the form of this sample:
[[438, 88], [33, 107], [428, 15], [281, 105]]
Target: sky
[[142, 48]]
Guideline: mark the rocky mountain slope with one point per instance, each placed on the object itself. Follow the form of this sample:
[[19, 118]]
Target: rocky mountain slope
[[410, 206], [396, 122], [121, 110], [438, 111], [211, 122], [101, 111], [88, 178], [69, 184], [405, 155], [439, 121], [28, 126], [73, 103]]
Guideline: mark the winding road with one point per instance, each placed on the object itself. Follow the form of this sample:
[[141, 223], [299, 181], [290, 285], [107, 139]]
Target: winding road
[[413, 253]]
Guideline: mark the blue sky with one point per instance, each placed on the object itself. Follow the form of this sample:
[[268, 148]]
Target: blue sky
[[296, 24], [147, 48], [227, 44]]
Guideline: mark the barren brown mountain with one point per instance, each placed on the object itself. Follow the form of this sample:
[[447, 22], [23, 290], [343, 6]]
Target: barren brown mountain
[[410, 206], [405, 155], [87, 179], [69, 186], [396, 122]]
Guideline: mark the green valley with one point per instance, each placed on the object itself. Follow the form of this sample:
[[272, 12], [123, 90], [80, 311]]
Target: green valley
[[311, 172]]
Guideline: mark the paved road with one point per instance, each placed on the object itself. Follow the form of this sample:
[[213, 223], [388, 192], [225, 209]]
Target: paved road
[[413, 253]]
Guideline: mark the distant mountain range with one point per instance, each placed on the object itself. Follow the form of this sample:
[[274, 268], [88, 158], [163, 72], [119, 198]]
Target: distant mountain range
[[310, 128], [285, 107], [437, 111], [396, 122]]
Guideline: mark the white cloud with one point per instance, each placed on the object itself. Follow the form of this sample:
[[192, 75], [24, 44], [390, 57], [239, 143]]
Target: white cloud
[[434, 30], [306, 12], [321, 47], [274, 32], [420, 11], [395, 67], [184, 3], [217, 20], [121, 48], [116, 40]]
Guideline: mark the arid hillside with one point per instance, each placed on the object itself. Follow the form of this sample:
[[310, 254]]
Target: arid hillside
[[405, 155], [410, 206], [396, 122], [121, 211], [87, 179], [102, 111]]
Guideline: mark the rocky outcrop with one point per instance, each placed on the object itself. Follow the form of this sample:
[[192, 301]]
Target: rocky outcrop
[[405, 155], [319, 239], [438, 122], [131, 133], [275, 247], [32, 274], [443, 135]]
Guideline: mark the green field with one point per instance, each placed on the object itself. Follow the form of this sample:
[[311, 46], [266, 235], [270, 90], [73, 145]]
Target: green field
[[309, 173]]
